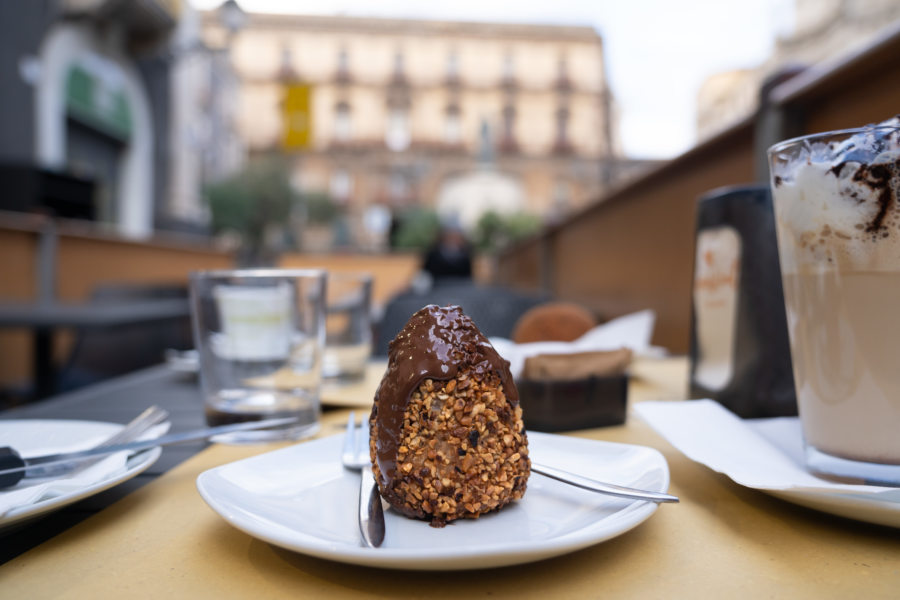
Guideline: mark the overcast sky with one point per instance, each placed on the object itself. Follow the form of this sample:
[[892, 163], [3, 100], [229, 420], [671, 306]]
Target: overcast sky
[[658, 52]]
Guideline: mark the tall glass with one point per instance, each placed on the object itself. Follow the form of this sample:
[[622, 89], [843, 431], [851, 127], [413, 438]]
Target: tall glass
[[838, 227], [348, 327], [260, 335]]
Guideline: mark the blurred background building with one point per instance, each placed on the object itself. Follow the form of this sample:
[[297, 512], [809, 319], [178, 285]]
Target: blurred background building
[[823, 30], [80, 125], [383, 116], [126, 112], [106, 113]]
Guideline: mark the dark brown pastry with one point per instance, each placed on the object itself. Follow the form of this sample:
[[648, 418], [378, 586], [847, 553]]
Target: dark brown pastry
[[578, 365], [553, 322], [446, 433]]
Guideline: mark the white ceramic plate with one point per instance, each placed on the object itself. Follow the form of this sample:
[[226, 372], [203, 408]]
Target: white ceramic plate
[[302, 499], [26, 434], [183, 361]]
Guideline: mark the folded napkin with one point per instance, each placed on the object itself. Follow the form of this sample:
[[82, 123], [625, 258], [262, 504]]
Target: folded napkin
[[765, 454], [33, 490], [631, 331]]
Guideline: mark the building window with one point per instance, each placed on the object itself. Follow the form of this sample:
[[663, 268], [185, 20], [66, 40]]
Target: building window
[[286, 72], [562, 74], [452, 66], [341, 186], [343, 125], [508, 132], [397, 136], [509, 68], [452, 126], [398, 187], [399, 65], [562, 130], [562, 199], [343, 64]]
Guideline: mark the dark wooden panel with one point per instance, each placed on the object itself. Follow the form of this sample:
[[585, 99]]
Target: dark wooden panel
[[634, 250]]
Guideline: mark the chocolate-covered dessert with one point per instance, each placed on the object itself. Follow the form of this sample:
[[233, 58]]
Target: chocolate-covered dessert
[[446, 433]]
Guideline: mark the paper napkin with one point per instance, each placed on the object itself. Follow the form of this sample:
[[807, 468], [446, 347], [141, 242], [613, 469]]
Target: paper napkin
[[33, 490], [764, 454], [631, 331]]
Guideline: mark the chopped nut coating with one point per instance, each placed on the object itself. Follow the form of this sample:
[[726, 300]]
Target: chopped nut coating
[[475, 457]]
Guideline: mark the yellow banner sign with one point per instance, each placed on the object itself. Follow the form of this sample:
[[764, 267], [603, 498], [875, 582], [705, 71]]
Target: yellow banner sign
[[297, 117]]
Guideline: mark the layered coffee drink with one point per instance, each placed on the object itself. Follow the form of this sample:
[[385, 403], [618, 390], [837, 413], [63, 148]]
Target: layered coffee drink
[[838, 226]]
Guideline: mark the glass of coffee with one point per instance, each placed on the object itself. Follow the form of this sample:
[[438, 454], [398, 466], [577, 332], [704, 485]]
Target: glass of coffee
[[260, 335], [838, 228]]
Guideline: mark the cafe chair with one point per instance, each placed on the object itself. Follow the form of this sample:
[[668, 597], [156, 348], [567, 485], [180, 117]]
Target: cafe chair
[[102, 353], [494, 309]]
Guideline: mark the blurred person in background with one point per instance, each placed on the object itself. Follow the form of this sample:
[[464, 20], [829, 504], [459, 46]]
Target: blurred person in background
[[450, 258]]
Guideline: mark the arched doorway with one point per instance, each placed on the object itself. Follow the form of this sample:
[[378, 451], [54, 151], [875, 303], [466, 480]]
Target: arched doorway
[[93, 118], [467, 196]]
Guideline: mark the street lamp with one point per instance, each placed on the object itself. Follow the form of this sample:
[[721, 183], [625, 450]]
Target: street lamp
[[232, 17], [221, 155]]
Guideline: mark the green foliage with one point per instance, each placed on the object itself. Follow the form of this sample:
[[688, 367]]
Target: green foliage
[[418, 229], [320, 209], [256, 205], [494, 231]]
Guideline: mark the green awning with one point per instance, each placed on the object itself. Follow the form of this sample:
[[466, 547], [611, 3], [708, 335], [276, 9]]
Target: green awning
[[94, 103]]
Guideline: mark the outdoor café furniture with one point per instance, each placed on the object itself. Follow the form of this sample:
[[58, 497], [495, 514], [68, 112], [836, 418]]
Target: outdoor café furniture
[[495, 309], [44, 318]]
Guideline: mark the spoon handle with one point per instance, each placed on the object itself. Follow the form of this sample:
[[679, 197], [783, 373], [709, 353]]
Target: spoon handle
[[599, 486]]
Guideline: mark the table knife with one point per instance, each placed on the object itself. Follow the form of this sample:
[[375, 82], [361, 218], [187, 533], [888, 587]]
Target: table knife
[[371, 514], [13, 466]]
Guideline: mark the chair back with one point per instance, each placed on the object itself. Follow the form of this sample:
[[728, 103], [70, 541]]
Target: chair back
[[495, 310]]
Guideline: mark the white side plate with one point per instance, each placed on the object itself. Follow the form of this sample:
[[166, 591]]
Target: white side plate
[[302, 499], [25, 434]]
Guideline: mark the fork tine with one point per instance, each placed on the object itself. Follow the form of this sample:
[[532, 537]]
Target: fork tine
[[128, 433], [362, 446], [139, 425], [348, 454]]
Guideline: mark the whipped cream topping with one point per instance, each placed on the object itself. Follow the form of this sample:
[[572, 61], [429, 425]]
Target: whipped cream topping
[[836, 200]]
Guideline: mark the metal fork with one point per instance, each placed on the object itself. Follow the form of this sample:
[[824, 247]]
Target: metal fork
[[130, 432], [355, 456]]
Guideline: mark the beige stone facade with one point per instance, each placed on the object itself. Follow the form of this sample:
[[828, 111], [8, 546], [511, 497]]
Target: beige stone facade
[[824, 30], [401, 108]]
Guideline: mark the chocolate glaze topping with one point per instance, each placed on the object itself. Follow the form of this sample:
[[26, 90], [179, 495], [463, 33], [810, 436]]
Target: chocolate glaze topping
[[436, 343]]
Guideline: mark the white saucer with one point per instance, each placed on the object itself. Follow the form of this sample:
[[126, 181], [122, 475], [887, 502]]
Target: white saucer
[[882, 509], [302, 499], [766, 455], [27, 434]]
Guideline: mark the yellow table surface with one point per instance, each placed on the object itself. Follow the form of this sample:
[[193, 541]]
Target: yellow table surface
[[721, 541], [359, 394]]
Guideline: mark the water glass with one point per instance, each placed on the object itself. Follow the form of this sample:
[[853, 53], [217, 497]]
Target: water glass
[[348, 325], [260, 335]]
